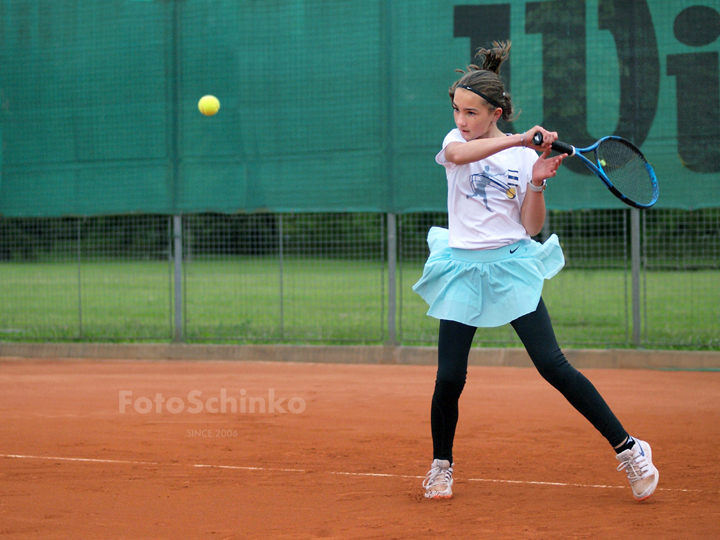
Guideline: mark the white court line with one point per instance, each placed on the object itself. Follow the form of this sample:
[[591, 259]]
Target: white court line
[[381, 475], [89, 460]]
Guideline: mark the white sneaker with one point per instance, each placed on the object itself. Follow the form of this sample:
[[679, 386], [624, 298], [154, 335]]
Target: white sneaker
[[438, 482], [637, 463]]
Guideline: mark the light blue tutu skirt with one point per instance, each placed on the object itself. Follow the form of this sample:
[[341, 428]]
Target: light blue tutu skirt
[[488, 287]]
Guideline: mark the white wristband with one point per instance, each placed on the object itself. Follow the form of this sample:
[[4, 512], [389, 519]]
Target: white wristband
[[537, 189]]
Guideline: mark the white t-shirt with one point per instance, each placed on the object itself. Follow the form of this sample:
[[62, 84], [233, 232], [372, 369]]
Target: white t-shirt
[[485, 197]]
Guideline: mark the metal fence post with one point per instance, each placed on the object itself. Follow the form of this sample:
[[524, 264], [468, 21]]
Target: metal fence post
[[79, 276], [392, 279], [635, 262], [178, 253], [281, 276]]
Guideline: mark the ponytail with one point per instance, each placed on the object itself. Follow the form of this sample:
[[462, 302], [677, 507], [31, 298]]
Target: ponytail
[[485, 81]]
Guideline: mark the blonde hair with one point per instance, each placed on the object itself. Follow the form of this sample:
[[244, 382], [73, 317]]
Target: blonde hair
[[485, 81]]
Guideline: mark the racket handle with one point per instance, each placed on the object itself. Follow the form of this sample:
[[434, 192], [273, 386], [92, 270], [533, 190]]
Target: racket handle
[[559, 146]]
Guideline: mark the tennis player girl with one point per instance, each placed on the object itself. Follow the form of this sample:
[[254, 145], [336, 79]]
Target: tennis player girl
[[485, 271]]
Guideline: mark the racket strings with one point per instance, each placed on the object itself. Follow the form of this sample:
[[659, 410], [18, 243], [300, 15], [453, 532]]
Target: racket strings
[[628, 170]]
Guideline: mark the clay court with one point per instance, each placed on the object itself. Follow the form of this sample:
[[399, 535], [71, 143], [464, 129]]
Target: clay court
[[323, 450]]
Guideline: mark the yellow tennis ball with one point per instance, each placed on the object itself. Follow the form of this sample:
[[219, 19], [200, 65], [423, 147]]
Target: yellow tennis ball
[[209, 105], [602, 162]]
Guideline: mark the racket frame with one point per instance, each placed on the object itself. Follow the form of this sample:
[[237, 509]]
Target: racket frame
[[565, 148]]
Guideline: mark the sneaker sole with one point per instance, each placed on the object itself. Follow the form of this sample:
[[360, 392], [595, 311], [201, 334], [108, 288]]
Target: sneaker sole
[[438, 496]]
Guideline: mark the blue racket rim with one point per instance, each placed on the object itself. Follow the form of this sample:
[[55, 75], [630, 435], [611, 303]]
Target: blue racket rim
[[598, 169]]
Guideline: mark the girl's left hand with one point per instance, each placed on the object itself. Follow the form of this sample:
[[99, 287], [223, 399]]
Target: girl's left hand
[[546, 167]]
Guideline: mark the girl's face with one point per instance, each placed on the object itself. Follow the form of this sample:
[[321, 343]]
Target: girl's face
[[472, 116]]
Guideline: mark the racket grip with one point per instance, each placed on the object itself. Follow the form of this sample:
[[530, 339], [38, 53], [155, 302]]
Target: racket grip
[[559, 146]]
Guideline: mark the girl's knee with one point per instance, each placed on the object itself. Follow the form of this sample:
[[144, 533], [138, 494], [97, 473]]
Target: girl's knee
[[556, 369], [448, 390]]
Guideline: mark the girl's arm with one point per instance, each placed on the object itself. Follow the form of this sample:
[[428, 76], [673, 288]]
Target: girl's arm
[[463, 153], [532, 214]]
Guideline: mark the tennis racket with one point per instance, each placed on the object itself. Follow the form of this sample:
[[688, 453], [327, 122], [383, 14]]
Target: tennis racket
[[620, 165]]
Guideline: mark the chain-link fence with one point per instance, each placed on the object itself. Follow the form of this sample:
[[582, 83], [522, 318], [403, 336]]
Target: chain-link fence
[[309, 278], [279, 277]]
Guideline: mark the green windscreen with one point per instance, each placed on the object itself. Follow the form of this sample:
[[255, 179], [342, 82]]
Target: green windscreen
[[334, 105]]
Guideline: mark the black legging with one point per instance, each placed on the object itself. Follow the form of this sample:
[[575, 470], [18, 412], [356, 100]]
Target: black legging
[[536, 332]]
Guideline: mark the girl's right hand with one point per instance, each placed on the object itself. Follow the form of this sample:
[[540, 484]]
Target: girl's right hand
[[549, 137]]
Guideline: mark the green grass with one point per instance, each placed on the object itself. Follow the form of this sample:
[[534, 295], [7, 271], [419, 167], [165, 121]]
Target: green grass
[[117, 300], [321, 300], [329, 301]]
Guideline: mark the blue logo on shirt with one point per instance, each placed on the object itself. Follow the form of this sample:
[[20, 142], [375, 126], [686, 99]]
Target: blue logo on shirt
[[480, 182]]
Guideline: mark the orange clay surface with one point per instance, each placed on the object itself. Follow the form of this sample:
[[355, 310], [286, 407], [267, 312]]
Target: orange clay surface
[[342, 454]]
